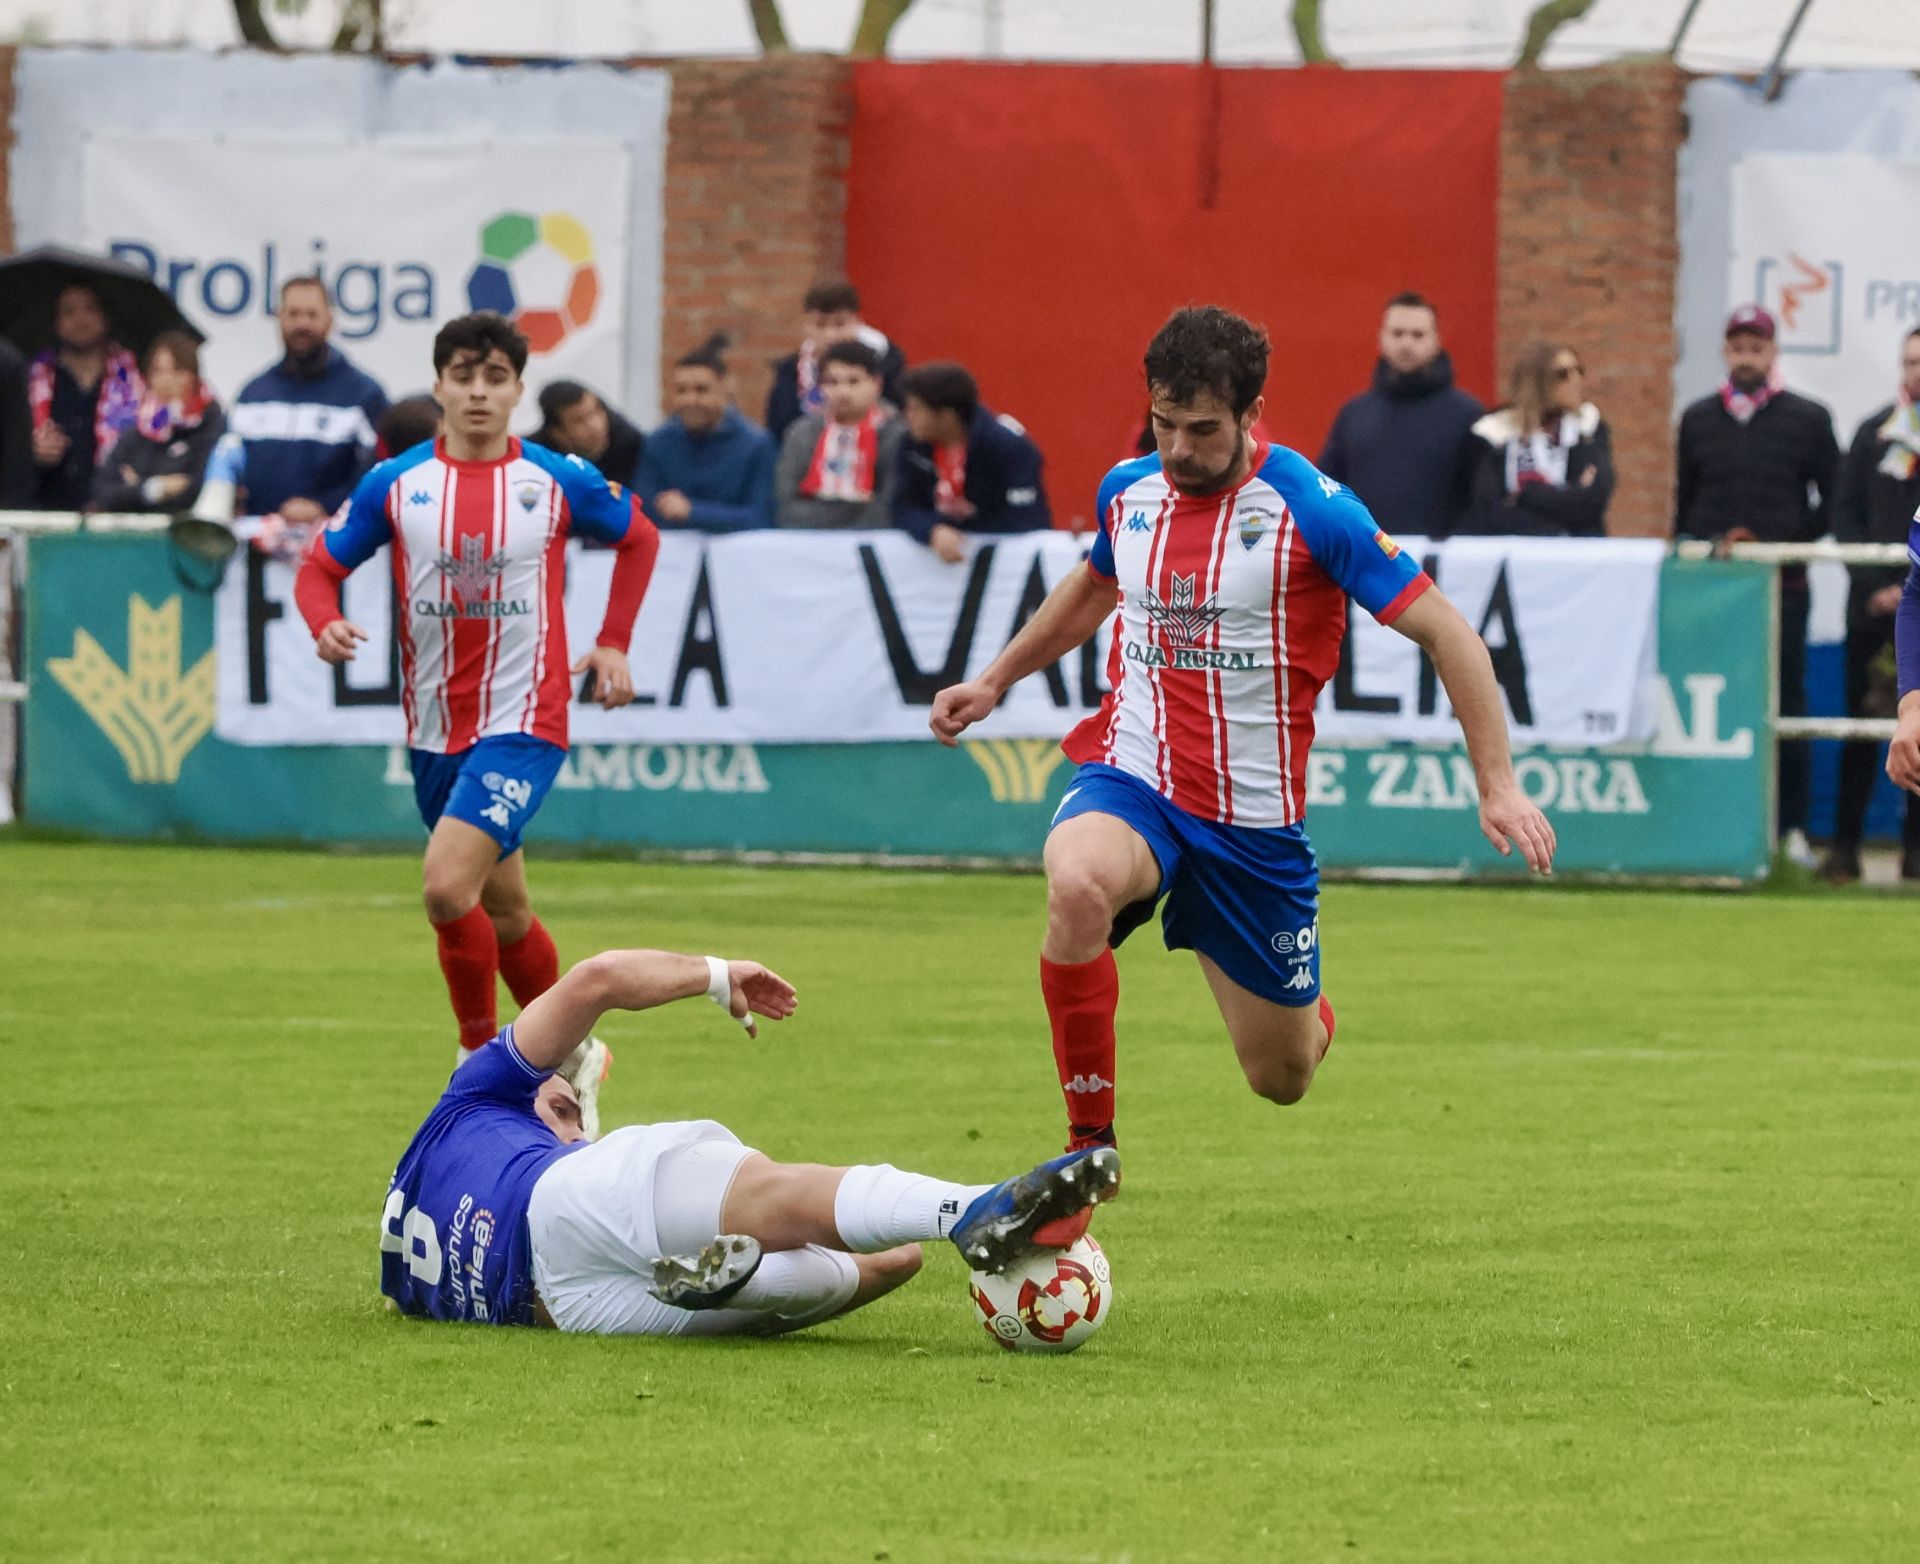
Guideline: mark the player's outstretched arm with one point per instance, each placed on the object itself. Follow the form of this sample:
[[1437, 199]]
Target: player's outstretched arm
[[1073, 611], [560, 1019], [1508, 818]]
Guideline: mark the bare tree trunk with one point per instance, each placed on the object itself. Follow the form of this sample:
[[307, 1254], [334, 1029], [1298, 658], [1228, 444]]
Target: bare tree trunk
[[1547, 19], [878, 18], [768, 27], [357, 19], [253, 25], [1306, 32]]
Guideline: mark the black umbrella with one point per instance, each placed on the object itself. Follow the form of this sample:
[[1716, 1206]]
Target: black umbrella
[[138, 309]]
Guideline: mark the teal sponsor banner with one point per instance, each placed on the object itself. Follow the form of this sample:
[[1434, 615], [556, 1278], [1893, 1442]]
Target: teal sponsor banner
[[119, 742]]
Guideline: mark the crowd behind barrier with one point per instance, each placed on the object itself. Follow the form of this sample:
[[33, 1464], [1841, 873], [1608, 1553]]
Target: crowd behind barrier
[[855, 437]]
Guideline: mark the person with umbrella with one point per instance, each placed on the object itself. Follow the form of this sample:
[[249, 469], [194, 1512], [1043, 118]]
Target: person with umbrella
[[84, 391]]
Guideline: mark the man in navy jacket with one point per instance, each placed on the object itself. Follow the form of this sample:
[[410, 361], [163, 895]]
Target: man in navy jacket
[[962, 469], [707, 467], [301, 433]]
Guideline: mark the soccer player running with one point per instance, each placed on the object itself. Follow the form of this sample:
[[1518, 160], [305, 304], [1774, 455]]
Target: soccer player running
[[1231, 561], [478, 522], [502, 1211]]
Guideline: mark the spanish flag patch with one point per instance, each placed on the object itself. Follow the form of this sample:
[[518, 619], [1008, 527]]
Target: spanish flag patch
[[1387, 546]]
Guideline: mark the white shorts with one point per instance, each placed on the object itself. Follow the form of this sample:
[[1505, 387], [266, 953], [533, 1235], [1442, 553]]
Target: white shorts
[[601, 1216]]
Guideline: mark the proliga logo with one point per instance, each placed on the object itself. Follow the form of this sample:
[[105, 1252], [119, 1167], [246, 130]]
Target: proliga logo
[[539, 273]]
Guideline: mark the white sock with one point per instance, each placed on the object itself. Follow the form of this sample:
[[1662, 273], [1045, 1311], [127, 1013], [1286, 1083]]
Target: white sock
[[799, 1283], [879, 1207]]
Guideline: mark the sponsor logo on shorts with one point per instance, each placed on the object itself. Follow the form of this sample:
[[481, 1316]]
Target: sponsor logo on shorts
[[509, 796]]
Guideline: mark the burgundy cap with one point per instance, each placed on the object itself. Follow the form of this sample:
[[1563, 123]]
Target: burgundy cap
[[1750, 317]]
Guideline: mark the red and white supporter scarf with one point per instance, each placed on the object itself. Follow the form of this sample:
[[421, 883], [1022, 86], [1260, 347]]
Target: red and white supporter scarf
[[950, 482], [116, 398], [845, 458], [1900, 434], [160, 421], [1744, 404]]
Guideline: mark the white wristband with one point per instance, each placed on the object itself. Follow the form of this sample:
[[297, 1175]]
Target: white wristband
[[719, 983]]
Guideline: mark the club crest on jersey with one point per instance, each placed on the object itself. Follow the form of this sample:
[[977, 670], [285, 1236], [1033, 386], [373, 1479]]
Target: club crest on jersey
[[474, 571], [1181, 618], [1387, 546], [1253, 527], [528, 493]]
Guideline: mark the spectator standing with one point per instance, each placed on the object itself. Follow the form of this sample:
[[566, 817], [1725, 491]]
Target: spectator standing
[[1543, 464], [707, 467], [963, 468], [302, 431], [160, 461], [576, 422], [83, 392], [838, 466], [1406, 445], [17, 475], [829, 314], [411, 421], [1757, 462], [1876, 500]]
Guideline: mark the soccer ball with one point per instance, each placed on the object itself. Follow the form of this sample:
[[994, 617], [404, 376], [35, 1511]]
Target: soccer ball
[[1051, 1301]]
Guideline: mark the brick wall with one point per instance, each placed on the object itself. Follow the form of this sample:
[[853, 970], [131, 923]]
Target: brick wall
[[1589, 253], [756, 204]]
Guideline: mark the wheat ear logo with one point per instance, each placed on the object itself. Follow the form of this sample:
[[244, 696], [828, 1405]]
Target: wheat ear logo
[[153, 711], [1017, 769]]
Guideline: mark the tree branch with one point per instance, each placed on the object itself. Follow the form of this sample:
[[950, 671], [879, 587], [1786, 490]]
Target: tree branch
[[768, 27], [254, 30], [1547, 19], [1306, 32], [878, 18]]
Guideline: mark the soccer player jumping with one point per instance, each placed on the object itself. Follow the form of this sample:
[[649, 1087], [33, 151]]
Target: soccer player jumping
[[478, 522], [1231, 561]]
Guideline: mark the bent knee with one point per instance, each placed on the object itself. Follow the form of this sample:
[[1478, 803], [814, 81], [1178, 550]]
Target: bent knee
[[1284, 1084], [1078, 900], [447, 899]]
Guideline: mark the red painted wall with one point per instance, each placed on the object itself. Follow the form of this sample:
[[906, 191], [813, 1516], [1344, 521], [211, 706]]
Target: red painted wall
[[1038, 222]]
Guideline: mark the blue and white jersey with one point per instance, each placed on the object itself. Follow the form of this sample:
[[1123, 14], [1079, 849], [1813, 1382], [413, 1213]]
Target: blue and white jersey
[[453, 1237]]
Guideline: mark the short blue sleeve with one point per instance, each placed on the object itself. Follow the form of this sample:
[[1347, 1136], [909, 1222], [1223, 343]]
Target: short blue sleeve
[[1344, 539], [497, 1073], [1115, 484], [360, 527], [597, 507]]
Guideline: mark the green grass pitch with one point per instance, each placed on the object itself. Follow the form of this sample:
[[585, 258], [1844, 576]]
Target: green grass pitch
[[1596, 1239]]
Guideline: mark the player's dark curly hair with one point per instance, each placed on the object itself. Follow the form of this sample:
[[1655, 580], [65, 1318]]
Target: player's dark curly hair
[[1206, 348], [479, 333]]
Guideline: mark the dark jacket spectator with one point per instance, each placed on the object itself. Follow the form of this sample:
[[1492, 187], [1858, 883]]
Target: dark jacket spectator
[[411, 421], [1756, 462], [576, 422], [838, 466], [962, 468], [829, 314], [305, 427], [1405, 446], [83, 392], [1875, 501], [707, 467], [1543, 464], [159, 463], [16, 431]]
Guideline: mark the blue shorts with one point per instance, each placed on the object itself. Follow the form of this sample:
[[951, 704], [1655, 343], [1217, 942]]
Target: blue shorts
[[495, 786], [1247, 898]]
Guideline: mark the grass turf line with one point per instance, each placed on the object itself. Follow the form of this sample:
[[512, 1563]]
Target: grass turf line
[[1593, 1241]]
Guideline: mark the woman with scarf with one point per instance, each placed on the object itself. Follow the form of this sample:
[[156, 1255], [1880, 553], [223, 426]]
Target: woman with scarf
[[1543, 464], [836, 466], [83, 392], [159, 462]]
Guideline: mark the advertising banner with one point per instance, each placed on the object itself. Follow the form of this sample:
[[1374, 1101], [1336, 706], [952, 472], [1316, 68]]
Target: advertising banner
[[120, 741], [845, 638]]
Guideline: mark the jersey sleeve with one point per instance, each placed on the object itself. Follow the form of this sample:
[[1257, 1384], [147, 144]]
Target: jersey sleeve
[[497, 1073], [1351, 547], [360, 526], [1100, 557], [598, 507]]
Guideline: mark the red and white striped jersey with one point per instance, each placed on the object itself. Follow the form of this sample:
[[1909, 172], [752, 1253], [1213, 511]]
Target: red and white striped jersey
[[1232, 610], [478, 566]]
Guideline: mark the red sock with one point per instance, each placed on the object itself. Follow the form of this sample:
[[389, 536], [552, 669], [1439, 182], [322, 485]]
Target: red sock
[[1326, 1020], [1081, 999], [530, 964], [470, 958]]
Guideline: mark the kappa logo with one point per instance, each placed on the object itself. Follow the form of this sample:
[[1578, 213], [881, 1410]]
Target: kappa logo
[[1328, 486], [474, 571], [419, 497], [528, 493], [1089, 1083], [1178, 615], [1301, 979], [1138, 522]]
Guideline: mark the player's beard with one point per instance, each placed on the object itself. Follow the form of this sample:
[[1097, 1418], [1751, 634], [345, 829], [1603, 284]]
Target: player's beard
[[1213, 483]]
